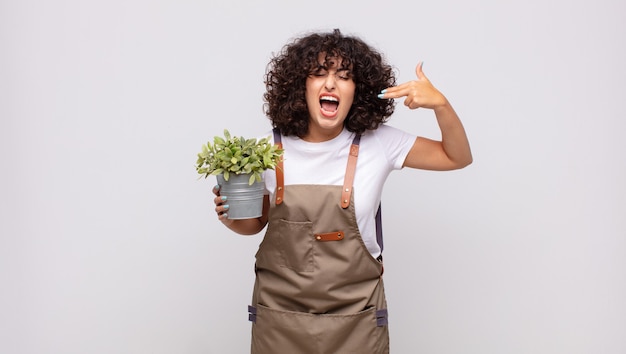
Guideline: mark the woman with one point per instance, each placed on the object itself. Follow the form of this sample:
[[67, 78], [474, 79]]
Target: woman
[[318, 285]]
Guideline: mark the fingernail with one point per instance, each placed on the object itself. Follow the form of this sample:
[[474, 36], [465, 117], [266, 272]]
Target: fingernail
[[217, 187], [224, 198], [226, 206], [383, 91], [225, 215], [382, 95]]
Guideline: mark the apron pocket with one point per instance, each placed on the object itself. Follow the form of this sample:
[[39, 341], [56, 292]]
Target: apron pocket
[[299, 332], [294, 240]]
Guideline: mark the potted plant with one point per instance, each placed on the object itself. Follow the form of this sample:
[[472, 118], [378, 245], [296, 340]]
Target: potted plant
[[238, 163]]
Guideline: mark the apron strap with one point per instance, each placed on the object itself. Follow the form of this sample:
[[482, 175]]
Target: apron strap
[[347, 188], [379, 228], [280, 175], [346, 191]]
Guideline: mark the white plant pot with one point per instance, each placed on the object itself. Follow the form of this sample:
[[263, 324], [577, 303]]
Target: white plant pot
[[245, 201]]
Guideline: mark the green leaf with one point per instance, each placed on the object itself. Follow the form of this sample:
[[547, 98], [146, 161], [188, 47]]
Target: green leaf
[[236, 154], [267, 160], [218, 141]]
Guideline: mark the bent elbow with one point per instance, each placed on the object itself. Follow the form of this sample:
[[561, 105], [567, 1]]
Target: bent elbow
[[469, 161], [463, 163]]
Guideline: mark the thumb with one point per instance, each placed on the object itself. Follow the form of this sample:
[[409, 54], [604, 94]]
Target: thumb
[[419, 72]]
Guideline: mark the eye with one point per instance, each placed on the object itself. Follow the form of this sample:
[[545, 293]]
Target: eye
[[319, 72], [344, 74]]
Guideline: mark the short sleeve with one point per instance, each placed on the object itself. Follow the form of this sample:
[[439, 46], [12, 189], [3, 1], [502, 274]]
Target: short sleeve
[[397, 144]]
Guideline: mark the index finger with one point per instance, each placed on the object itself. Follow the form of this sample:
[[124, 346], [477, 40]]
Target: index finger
[[401, 90]]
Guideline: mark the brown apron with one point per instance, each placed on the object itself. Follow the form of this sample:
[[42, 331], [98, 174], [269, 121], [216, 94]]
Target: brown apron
[[317, 288]]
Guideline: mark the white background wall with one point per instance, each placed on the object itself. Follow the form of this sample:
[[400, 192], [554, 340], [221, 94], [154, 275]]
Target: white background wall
[[109, 243]]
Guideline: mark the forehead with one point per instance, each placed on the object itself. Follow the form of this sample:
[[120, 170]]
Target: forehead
[[329, 60]]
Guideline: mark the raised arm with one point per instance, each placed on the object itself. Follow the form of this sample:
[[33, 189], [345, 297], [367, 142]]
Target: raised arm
[[453, 151]]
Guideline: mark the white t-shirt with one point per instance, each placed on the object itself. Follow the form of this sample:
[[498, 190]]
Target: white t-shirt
[[380, 152]]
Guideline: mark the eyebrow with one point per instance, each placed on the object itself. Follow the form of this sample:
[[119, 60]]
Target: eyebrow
[[324, 67]]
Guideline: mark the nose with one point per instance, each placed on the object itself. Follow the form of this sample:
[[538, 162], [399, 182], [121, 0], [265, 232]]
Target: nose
[[329, 84]]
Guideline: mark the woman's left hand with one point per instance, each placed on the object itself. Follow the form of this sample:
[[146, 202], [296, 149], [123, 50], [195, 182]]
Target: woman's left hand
[[418, 93]]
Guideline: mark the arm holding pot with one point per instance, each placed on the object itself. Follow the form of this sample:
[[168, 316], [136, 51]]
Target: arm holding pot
[[241, 226]]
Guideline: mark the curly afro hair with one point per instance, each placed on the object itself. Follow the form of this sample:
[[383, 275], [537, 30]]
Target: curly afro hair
[[285, 80]]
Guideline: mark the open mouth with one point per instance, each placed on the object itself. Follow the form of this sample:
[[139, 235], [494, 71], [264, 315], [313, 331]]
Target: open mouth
[[329, 103]]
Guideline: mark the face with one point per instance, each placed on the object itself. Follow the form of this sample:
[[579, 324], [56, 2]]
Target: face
[[329, 96]]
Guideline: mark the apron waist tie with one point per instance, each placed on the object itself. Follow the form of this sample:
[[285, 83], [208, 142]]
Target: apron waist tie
[[252, 314], [381, 316]]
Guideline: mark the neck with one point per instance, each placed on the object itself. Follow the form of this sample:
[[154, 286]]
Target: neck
[[316, 136]]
